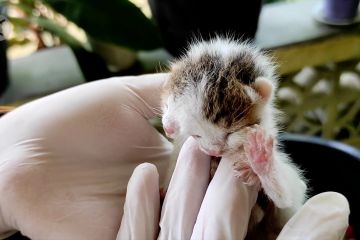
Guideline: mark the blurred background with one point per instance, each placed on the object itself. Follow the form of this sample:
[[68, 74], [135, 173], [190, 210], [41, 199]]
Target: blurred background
[[50, 45]]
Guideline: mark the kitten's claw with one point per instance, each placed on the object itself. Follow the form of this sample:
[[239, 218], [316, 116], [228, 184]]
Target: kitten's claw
[[243, 170], [247, 175], [259, 151]]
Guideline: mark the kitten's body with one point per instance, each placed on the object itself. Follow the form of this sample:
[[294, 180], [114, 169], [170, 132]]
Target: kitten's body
[[221, 93]]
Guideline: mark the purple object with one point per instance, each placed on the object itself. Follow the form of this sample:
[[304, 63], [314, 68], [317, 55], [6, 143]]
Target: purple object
[[340, 10]]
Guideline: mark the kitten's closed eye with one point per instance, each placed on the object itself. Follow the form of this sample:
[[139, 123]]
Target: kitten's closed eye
[[227, 135], [196, 136]]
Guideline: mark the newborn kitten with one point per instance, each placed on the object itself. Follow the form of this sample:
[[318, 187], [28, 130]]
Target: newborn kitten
[[221, 93]]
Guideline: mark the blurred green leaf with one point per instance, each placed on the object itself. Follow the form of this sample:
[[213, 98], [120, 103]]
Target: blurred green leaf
[[19, 21], [58, 30], [16, 42], [115, 21], [23, 6], [49, 26]]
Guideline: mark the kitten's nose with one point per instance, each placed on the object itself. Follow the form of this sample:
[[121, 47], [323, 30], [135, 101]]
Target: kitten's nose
[[169, 130]]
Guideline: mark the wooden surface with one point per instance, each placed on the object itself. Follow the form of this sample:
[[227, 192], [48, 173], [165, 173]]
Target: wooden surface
[[318, 52], [5, 109], [296, 39]]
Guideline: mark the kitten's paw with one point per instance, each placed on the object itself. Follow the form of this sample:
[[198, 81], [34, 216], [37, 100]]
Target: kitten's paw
[[247, 176], [259, 150], [243, 170]]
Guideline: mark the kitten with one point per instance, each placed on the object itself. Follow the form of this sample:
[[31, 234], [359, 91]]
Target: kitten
[[221, 93]]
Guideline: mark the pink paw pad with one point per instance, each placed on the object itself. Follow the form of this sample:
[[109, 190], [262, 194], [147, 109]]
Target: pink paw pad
[[259, 150]]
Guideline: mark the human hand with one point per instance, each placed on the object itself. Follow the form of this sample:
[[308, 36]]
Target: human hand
[[193, 208], [225, 205], [65, 159]]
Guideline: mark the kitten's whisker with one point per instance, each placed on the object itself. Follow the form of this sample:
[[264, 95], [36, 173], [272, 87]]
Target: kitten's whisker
[[242, 112], [157, 111]]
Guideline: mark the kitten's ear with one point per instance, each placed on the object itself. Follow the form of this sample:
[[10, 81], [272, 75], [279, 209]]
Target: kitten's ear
[[264, 88]]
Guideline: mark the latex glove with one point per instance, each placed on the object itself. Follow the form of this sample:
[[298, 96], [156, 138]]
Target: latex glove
[[324, 216], [66, 159], [192, 208], [218, 211]]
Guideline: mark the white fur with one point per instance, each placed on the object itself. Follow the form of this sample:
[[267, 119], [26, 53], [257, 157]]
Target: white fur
[[285, 185], [228, 48]]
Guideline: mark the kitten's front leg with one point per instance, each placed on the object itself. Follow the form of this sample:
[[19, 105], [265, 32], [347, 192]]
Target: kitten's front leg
[[280, 179]]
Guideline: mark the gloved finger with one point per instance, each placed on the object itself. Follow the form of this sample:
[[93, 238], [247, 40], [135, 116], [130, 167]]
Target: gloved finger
[[142, 205], [227, 205], [324, 216], [5, 230], [185, 193]]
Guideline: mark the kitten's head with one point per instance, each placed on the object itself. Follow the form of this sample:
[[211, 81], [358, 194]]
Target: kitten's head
[[216, 90]]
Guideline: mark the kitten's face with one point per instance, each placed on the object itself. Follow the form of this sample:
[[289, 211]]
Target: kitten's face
[[183, 117], [214, 92]]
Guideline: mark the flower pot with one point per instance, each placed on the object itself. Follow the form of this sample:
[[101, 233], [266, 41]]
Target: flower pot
[[328, 166], [181, 21], [340, 10], [117, 58], [92, 66]]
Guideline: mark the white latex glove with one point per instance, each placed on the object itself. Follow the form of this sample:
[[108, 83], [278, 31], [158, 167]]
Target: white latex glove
[[65, 161], [224, 205], [324, 216], [225, 209], [218, 211]]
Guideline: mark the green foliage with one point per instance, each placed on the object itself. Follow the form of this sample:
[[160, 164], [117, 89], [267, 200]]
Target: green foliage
[[115, 21], [49, 26], [31, 19]]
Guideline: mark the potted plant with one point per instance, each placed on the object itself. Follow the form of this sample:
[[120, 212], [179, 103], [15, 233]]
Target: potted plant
[[114, 31], [181, 21]]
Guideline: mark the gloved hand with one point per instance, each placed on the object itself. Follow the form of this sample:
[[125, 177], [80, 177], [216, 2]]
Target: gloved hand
[[66, 159], [225, 209], [192, 208]]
